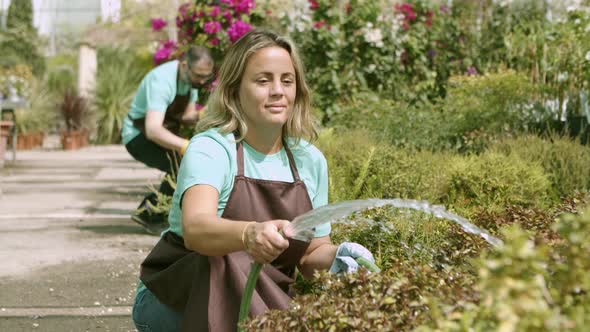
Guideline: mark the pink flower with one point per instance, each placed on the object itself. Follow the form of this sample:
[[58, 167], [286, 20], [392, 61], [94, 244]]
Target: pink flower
[[319, 24], [471, 71], [228, 16], [237, 30], [407, 9], [227, 2], [162, 55], [215, 11], [158, 24], [214, 41], [429, 16], [169, 44], [164, 51], [199, 107], [243, 6], [211, 27], [313, 4]]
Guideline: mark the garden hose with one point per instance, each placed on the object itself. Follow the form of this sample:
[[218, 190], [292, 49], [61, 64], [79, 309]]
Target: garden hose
[[253, 277]]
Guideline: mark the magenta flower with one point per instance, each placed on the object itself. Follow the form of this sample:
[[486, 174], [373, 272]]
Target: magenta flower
[[215, 11], [227, 2], [244, 6], [199, 106], [162, 55], [429, 16], [471, 71], [164, 51], [237, 30], [169, 44], [407, 9], [228, 16], [313, 4], [319, 24], [211, 27], [214, 41], [158, 24]]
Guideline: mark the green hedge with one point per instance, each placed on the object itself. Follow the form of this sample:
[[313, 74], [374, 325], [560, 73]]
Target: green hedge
[[565, 161], [477, 111], [361, 167]]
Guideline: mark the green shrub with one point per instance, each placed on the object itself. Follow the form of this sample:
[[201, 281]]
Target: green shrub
[[512, 282], [564, 161], [477, 111], [119, 75], [525, 286], [394, 234], [41, 112], [493, 180], [360, 167], [393, 300], [419, 128]]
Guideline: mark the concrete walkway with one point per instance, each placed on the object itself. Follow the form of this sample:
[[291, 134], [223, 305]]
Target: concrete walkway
[[70, 253]]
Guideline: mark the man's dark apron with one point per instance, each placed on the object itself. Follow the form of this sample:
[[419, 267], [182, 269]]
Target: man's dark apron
[[208, 290], [172, 119]]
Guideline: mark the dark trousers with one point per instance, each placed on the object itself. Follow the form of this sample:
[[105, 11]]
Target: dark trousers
[[155, 156]]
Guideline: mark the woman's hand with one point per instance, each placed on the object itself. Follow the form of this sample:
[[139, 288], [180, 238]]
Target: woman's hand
[[346, 256], [263, 242]]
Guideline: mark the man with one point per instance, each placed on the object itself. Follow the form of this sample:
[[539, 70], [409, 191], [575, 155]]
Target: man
[[165, 99]]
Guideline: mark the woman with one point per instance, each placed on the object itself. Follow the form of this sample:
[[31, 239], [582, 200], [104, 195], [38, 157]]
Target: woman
[[240, 182]]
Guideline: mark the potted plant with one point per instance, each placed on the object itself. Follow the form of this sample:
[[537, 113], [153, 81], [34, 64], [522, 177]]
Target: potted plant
[[73, 108]]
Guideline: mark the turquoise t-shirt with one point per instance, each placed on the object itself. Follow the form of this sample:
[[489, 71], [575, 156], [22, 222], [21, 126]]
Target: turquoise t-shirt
[[156, 92], [211, 159]]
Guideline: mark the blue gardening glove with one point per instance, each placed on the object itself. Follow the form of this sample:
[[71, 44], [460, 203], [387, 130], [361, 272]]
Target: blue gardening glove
[[346, 255]]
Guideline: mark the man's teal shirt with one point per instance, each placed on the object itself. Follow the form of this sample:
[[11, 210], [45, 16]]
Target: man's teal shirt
[[156, 91]]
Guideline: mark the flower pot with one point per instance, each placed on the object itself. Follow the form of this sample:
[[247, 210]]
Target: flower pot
[[38, 140], [70, 140], [22, 142], [5, 127], [83, 138]]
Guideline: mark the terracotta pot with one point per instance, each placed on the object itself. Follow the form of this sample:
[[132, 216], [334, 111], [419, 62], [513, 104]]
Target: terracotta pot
[[70, 140], [21, 142], [40, 138], [30, 141], [83, 138]]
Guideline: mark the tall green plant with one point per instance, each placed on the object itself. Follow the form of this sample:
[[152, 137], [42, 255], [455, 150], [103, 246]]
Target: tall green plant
[[20, 43], [20, 13], [119, 75]]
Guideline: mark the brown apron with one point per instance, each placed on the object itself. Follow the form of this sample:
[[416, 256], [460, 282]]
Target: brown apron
[[208, 289], [173, 116]]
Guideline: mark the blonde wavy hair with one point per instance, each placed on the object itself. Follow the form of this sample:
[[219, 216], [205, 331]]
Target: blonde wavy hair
[[224, 110]]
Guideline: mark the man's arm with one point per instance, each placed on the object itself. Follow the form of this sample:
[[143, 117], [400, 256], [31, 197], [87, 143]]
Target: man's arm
[[190, 115], [156, 132]]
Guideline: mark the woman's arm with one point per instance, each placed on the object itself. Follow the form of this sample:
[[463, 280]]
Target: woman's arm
[[318, 256], [206, 233]]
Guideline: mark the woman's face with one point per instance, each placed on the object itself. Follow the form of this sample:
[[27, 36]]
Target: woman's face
[[268, 88]]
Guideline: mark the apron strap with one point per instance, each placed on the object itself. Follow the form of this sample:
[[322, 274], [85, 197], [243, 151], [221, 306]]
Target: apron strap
[[240, 156], [240, 160], [291, 162]]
